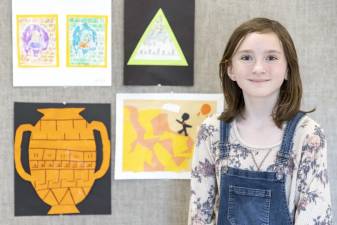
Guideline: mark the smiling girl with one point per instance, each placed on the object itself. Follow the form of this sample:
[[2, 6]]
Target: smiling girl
[[262, 161]]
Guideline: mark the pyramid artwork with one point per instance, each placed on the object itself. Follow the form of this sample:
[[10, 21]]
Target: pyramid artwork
[[158, 45], [158, 42]]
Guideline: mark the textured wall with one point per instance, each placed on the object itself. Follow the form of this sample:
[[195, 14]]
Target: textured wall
[[313, 25]]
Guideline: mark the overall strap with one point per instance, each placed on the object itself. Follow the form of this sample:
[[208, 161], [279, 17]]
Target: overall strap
[[224, 137], [287, 141]]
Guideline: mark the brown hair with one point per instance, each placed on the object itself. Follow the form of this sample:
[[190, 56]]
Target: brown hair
[[289, 100]]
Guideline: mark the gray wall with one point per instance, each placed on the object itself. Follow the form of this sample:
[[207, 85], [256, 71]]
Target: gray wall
[[313, 25]]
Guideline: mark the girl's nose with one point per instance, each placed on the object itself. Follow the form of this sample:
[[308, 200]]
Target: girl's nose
[[259, 67]]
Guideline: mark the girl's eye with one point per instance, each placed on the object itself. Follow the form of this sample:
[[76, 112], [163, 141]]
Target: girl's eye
[[271, 58], [246, 57]]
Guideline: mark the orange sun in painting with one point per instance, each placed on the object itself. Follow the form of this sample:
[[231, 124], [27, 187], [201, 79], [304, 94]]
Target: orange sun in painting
[[205, 109]]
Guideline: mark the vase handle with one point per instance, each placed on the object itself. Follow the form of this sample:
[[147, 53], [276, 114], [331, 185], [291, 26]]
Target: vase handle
[[17, 150], [99, 126]]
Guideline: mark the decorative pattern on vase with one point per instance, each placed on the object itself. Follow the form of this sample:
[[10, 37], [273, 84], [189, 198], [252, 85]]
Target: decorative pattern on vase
[[62, 157]]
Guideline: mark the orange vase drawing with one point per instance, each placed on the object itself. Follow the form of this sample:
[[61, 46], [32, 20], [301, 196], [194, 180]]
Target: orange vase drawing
[[62, 157]]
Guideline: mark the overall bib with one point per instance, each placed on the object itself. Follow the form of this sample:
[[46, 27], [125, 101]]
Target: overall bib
[[254, 197]]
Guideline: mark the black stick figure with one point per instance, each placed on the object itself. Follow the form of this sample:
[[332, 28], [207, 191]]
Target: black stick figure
[[184, 117]]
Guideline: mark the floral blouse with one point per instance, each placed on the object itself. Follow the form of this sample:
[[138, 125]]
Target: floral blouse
[[307, 188]]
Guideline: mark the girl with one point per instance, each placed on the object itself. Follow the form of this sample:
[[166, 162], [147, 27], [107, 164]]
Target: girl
[[263, 161]]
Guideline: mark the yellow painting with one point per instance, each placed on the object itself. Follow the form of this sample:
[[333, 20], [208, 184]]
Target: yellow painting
[[158, 135]]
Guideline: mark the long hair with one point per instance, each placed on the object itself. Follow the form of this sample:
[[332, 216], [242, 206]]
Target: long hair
[[289, 100]]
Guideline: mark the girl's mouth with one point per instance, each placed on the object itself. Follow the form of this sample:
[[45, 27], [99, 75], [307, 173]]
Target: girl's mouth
[[259, 80]]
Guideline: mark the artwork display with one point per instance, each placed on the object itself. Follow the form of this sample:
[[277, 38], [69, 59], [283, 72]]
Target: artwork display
[[58, 43], [158, 50], [62, 159], [155, 133]]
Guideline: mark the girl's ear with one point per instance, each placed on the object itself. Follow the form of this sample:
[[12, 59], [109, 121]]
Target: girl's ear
[[230, 72]]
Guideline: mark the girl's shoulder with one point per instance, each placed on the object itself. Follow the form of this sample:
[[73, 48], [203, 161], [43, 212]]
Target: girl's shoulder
[[209, 127], [307, 124], [212, 120], [308, 127]]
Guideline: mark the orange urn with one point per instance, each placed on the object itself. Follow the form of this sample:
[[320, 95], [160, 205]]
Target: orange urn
[[62, 157]]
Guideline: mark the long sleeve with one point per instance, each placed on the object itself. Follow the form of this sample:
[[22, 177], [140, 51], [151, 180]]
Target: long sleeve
[[314, 202], [203, 180]]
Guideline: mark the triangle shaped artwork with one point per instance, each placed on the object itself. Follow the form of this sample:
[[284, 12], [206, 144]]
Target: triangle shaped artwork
[[158, 45]]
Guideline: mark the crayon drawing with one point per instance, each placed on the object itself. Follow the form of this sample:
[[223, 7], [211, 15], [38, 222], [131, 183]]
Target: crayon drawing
[[157, 133], [86, 41], [61, 43], [37, 40]]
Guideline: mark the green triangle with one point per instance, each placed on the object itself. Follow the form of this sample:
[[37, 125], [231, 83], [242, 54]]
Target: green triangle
[[158, 45]]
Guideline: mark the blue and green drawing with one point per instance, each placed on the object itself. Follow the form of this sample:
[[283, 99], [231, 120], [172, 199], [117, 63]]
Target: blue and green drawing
[[87, 41]]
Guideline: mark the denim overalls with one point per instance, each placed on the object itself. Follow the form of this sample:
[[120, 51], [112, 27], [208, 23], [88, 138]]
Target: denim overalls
[[254, 197]]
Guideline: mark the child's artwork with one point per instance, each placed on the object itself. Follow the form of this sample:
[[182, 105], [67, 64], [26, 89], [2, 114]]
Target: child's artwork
[[37, 40], [159, 42], [155, 133], [86, 41], [158, 45], [61, 43], [62, 159]]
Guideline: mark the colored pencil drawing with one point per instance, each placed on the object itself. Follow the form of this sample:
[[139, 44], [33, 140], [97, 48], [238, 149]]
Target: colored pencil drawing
[[86, 41], [37, 40]]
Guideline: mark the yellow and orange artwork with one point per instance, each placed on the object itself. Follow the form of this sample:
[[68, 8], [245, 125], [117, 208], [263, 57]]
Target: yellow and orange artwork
[[159, 135], [62, 157]]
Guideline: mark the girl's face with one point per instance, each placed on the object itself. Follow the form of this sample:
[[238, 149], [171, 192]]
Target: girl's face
[[259, 65]]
